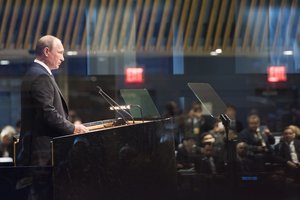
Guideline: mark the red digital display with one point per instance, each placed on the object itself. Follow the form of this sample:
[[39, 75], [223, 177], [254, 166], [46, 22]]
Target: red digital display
[[276, 74], [134, 75]]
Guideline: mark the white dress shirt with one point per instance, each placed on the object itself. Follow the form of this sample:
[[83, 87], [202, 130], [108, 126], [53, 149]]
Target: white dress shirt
[[44, 65]]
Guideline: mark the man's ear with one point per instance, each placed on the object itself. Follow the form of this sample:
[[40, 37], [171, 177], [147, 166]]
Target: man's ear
[[46, 51]]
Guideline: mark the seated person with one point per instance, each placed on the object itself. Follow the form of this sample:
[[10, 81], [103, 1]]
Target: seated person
[[235, 125], [217, 142], [244, 163], [258, 139], [296, 130], [186, 154], [287, 152], [207, 163], [196, 123], [7, 141]]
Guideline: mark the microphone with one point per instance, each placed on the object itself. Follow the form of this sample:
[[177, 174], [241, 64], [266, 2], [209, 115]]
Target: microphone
[[259, 132], [112, 103]]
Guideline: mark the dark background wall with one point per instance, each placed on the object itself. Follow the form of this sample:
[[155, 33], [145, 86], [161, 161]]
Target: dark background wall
[[275, 102], [248, 91]]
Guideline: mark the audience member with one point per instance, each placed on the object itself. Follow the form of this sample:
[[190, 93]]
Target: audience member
[[236, 125], [207, 163], [177, 121], [218, 132], [287, 152], [196, 122], [186, 154], [244, 163], [296, 130], [259, 140], [7, 141]]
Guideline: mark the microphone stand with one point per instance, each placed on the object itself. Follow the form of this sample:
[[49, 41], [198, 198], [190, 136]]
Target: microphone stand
[[231, 154], [112, 102]]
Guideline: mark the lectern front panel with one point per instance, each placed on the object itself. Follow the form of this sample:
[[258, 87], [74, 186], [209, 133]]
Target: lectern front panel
[[133, 161]]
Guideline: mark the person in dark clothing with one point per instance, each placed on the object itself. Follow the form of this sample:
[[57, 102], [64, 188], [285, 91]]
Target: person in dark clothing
[[207, 163], [287, 153], [259, 140], [44, 115]]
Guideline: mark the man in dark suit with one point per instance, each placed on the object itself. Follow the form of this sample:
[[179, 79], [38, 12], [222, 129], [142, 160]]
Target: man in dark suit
[[287, 152], [44, 114], [259, 140]]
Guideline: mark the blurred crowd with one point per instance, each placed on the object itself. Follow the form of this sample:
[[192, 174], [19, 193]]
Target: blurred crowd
[[204, 145]]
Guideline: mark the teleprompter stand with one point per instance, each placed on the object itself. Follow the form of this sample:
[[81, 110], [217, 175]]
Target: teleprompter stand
[[212, 104]]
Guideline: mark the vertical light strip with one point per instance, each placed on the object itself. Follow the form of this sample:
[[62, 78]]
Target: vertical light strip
[[63, 17], [290, 24], [163, 25], [88, 19], [116, 25], [212, 20], [190, 24], [22, 28], [30, 25], [13, 24], [71, 17], [151, 25], [104, 39], [133, 28], [238, 24], [200, 24], [220, 22], [40, 23], [143, 24], [182, 23], [54, 9], [228, 26], [77, 24], [250, 20], [279, 25], [264, 40], [99, 25], [258, 22], [173, 25], [125, 24], [4, 22]]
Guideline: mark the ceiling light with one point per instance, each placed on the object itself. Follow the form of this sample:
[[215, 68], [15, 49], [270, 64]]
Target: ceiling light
[[218, 50], [72, 53], [213, 53], [288, 53], [4, 62]]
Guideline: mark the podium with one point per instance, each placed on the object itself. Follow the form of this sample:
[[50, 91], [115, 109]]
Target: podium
[[132, 161]]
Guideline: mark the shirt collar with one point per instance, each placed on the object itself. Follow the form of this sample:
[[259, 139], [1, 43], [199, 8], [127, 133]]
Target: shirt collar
[[44, 65]]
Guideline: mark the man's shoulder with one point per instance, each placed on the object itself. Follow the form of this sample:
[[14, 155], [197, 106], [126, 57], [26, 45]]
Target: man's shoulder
[[36, 69]]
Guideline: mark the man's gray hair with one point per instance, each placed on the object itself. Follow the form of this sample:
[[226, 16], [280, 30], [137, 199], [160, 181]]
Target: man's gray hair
[[43, 42]]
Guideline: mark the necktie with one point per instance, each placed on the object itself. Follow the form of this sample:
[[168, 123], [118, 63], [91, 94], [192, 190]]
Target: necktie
[[212, 165]]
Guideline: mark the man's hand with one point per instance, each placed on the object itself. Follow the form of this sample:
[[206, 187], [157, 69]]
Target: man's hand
[[79, 128]]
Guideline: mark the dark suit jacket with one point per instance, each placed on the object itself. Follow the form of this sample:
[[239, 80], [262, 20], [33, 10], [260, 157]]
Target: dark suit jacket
[[247, 135], [282, 152], [44, 115], [202, 165]]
